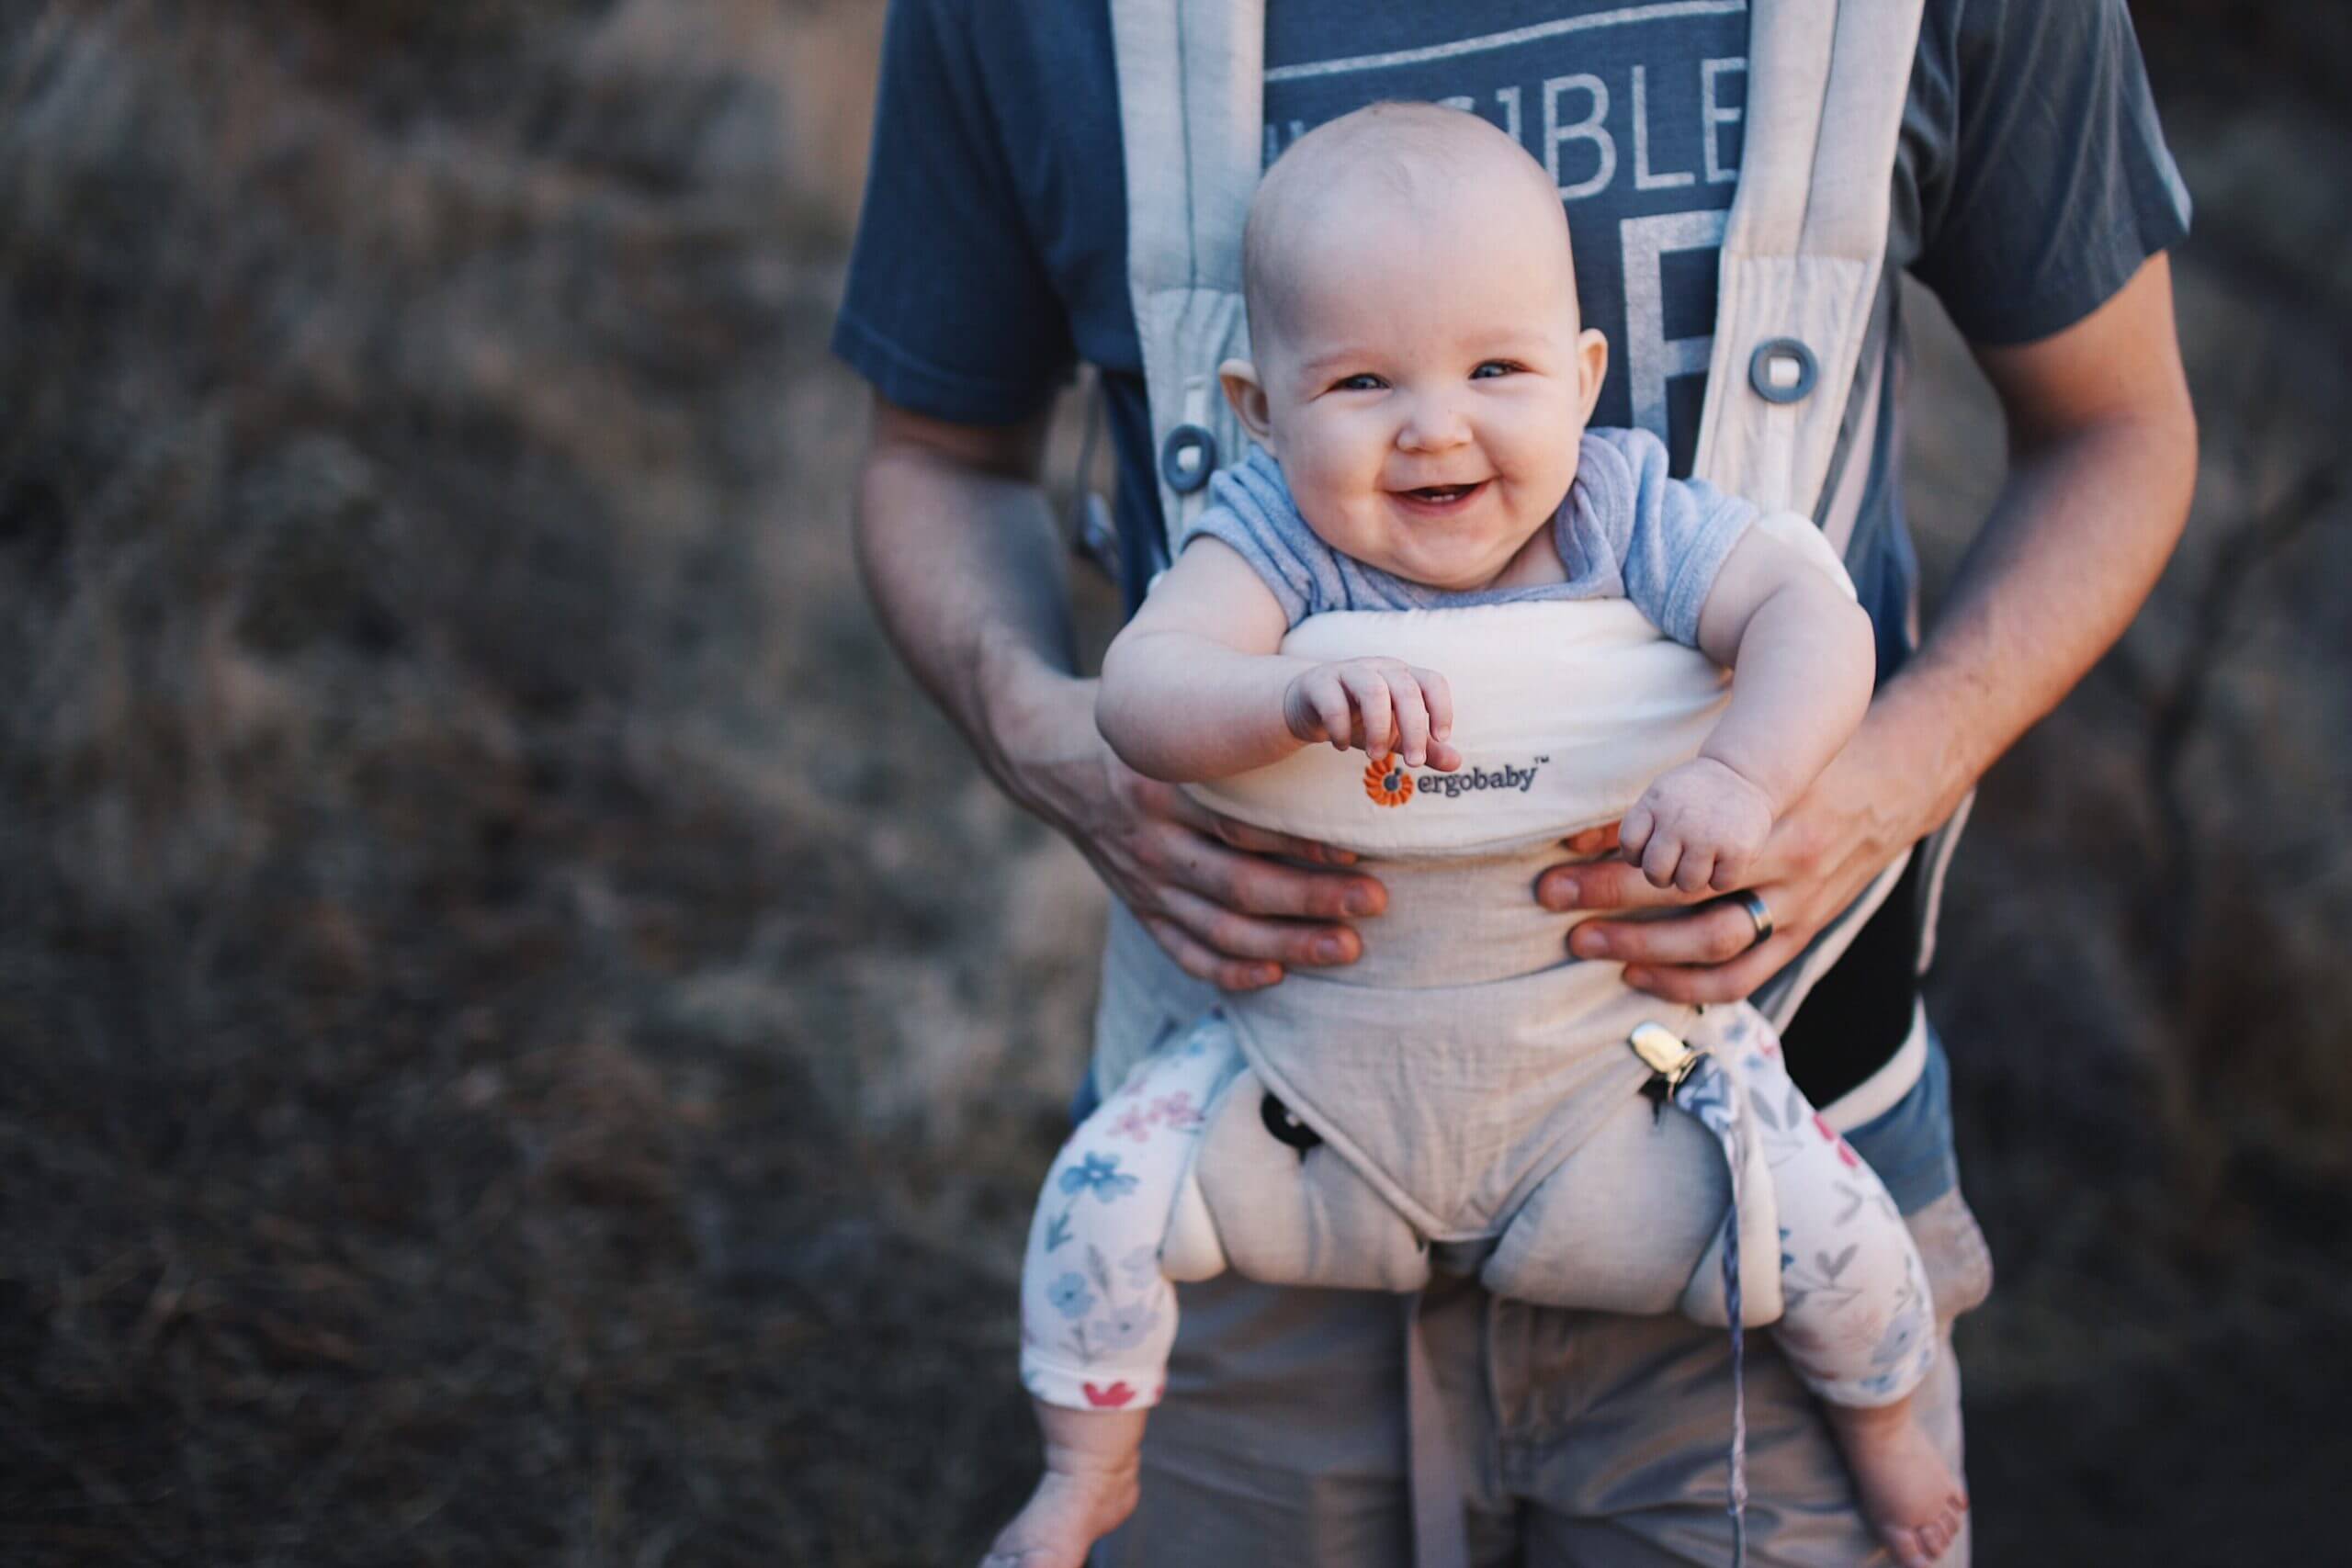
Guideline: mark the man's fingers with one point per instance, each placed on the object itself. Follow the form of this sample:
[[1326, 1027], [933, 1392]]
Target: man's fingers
[[1232, 935], [1597, 841], [1605, 885], [1264, 841], [1226, 974], [1254, 841], [1714, 933], [1251, 884], [1732, 982]]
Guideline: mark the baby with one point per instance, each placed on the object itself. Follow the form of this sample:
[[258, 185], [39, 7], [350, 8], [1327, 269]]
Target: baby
[[1421, 392]]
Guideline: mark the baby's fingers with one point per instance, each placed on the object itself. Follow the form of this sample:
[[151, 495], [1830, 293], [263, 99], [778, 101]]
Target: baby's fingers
[[1317, 709], [1412, 721], [1660, 859], [1633, 830], [1376, 729], [1439, 697], [1694, 871]]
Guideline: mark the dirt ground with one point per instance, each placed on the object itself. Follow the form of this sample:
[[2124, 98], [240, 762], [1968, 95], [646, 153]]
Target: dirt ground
[[524, 1039]]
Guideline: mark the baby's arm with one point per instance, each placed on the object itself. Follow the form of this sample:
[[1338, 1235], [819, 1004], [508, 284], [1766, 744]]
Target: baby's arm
[[1804, 663], [1193, 689]]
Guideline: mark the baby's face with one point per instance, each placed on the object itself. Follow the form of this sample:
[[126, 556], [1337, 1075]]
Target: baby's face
[[1425, 380]]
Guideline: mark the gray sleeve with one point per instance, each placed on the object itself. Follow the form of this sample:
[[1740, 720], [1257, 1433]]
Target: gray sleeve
[[1250, 509], [1670, 536], [2046, 182]]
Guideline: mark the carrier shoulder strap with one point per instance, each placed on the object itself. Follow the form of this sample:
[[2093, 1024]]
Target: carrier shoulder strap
[[1190, 92]]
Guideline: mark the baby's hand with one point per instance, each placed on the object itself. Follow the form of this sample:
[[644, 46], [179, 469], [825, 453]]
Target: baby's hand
[[1381, 704], [1699, 826]]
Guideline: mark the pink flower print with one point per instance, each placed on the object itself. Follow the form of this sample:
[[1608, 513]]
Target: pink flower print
[[1109, 1398], [1177, 1112], [1135, 1122], [1821, 1124]]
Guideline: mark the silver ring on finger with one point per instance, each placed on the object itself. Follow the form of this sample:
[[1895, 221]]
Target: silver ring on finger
[[1757, 910]]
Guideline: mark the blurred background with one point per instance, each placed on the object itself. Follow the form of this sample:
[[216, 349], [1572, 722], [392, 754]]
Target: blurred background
[[523, 1038]]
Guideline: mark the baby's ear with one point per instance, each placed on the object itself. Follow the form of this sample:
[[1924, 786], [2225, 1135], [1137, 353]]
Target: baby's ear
[[1247, 396], [1592, 361]]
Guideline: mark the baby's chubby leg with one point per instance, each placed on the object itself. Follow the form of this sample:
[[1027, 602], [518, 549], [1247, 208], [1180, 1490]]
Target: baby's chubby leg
[[1097, 1314], [1857, 1326], [1092, 1459]]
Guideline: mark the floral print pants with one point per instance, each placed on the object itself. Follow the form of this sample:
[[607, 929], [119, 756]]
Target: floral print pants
[[1098, 1316]]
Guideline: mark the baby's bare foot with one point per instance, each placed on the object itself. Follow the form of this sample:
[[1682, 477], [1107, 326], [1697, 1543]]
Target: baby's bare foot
[[1062, 1521], [1092, 1461], [1909, 1494]]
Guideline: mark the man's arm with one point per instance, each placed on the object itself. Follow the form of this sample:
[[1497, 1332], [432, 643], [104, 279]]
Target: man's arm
[[961, 557], [2102, 459]]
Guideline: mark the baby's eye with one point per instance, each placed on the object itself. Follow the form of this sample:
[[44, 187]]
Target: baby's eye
[[1489, 368], [1363, 381]]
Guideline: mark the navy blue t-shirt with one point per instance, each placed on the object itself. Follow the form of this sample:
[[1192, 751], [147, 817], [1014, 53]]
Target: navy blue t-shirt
[[2031, 182]]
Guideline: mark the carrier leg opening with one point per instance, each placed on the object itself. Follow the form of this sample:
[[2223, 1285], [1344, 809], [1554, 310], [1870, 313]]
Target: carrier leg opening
[[1289, 1210]]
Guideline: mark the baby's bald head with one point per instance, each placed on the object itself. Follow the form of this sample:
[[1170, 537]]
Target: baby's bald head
[[1425, 162]]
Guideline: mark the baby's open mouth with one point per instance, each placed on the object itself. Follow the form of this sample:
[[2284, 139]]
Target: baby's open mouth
[[1442, 495]]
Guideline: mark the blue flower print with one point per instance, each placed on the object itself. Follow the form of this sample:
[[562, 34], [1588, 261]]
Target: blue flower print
[[1123, 1328], [1098, 1174], [1142, 1266], [1070, 1295]]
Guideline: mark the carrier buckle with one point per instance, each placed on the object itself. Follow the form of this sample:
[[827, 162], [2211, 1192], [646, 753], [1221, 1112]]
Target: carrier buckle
[[1668, 1059]]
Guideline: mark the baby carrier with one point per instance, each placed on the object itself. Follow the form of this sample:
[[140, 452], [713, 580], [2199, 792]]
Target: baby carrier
[[1799, 276]]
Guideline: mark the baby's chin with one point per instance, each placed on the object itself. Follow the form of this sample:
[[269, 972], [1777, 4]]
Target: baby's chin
[[1448, 572]]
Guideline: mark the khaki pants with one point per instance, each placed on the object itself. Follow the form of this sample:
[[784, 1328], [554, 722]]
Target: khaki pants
[[1581, 1438]]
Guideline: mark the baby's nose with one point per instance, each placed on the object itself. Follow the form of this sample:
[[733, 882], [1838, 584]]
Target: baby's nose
[[1435, 424]]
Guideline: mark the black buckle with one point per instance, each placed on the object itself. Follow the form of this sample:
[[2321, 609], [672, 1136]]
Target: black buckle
[[1285, 1127]]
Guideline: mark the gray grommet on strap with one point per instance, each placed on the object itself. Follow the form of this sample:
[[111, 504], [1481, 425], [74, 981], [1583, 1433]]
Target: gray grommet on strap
[[1782, 370], [1187, 459]]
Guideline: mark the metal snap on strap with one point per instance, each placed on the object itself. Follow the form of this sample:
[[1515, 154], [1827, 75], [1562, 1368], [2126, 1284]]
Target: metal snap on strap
[[1187, 459], [1782, 370]]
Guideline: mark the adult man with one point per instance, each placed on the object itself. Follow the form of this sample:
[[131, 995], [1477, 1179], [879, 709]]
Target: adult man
[[2031, 190]]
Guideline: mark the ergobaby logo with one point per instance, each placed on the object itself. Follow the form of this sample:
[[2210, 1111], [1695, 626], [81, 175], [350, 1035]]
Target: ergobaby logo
[[1386, 781], [1389, 783]]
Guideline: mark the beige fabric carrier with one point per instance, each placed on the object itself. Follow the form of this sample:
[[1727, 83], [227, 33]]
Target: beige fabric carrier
[[1473, 1083]]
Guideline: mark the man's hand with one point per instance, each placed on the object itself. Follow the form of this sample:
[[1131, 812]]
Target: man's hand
[[1204, 886], [1861, 813], [1379, 704], [2102, 458], [964, 565]]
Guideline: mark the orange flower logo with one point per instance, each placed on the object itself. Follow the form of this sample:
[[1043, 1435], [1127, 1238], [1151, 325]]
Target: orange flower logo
[[1388, 782]]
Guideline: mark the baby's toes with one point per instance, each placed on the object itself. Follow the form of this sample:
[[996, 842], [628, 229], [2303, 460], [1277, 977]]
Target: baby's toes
[[1910, 1548]]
